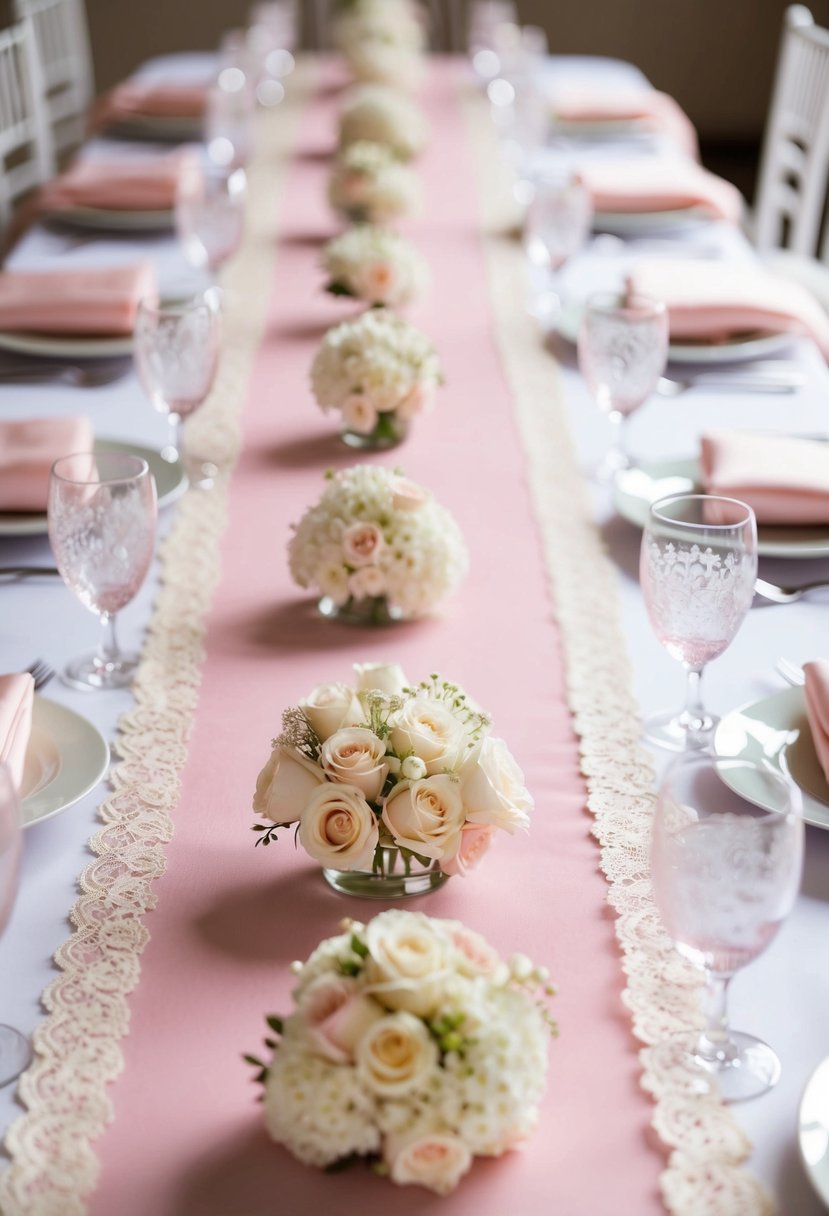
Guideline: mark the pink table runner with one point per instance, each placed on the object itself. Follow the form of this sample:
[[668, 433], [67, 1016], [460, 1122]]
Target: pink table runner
[[187, 1136]]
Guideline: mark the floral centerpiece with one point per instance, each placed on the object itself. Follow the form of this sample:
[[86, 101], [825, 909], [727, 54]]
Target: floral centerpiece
[[382, 115], [382, 40], [369, 185], [375, 265], [392, 787], [412, 1044], [377, 547], [379, 372]]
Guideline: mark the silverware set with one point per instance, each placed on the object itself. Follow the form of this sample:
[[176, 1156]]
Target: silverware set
[[768, 377]]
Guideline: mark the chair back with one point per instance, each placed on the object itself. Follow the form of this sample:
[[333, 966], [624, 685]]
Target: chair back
[[26, 154], [62, 37], [794, 167]]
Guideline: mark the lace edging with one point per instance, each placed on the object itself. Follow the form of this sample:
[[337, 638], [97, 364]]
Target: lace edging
[[706, 1148], [53, 1167]]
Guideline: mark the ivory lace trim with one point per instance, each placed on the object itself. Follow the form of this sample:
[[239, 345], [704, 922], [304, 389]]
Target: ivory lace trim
[[77, 1047], [705, 1147]]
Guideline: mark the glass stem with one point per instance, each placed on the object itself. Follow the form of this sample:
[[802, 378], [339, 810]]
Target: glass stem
[[693, 716], [172, 452], [714, 1045], [109, 652], [617, 439]]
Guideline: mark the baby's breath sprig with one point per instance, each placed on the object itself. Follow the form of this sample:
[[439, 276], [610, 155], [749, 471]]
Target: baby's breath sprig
[[297, 732], [448, 1034], [379, 708], [438, 689]]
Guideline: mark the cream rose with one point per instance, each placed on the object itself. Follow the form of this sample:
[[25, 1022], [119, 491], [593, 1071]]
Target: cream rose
[[366, 582], [473, 954], [337, 1015], [426, 816], [473, 843], [381, 677], [355, 756], [395, 1054], [362, 544], [408, 962], [493, 788], [429, 730], [285, 784], [377, 281], [407, 495], [338, 828], [414, 403], [435, 1160], [330, 707], [359, 414]]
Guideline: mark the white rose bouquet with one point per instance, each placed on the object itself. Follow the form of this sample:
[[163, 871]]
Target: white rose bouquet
[[386, 766], [379, 372], [376, 535], [382, 115], [369, 185], [382, 40], [411, 1044], [375, 265]]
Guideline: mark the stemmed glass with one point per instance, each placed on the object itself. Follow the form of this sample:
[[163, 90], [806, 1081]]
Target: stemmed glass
[[15, 1049], [558, 221], [102, 517], [210, 214], [176, 349], [622, 350], [726, 858], [697, 570]]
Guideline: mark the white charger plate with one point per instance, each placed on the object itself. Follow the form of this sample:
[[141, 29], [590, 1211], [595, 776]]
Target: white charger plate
[[813, 1129], [170, 482], [66, 346], [636, 488], [738, 350], [67, 756], [775, 731], [111, 219]]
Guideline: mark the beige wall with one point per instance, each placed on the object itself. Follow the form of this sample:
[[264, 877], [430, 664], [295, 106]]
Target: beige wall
[[715, 56]]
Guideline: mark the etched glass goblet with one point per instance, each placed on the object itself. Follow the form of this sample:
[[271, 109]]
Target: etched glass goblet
[[726, 859], [556, 227], [697, 569], [15, 1049], [102, 521], [210, 214], [622, 350]]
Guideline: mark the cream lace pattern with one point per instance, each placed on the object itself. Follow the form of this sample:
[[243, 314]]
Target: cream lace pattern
[[77, 1053], [704, 1147]]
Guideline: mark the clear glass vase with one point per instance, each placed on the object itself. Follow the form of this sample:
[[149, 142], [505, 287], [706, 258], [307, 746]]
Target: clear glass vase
[[371, 610], [390, 431], [397, 874]]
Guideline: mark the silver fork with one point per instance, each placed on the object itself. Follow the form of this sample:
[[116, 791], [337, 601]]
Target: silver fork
[[41, 671], [785, 595], [790, 672], [765, 382]]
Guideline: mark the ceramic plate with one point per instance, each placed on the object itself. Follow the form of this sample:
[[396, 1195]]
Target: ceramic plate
[[775, 731], [67, 346], [813, 1130], [169, 479], [738, 350], [636, 488], [66, 757], [110, 219]]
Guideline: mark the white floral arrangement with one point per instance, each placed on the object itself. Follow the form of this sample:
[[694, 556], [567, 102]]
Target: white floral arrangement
[[412, 1045], [382, 40], [377, 364], [384, 764], [375, 533], [375, 265], [369, 185], [382, 115]]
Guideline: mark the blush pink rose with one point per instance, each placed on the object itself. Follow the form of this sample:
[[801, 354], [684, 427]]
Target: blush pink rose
[[378, 282], [435, 1160], [414, 403], [285, 785], [359, 414], [407, 495], [425, 816], [366, 582], [362, 544], [473, 843], [337, 1015]]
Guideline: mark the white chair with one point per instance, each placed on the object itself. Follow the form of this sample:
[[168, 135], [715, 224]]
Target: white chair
[[62, 37], [789, 227], [26, 155]]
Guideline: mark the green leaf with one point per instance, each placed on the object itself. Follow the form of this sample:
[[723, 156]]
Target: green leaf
[[253, 1060], [276, 1023], [359, 948]]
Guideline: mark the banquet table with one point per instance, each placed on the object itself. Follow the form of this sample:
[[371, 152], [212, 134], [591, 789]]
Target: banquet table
[[513, 421]]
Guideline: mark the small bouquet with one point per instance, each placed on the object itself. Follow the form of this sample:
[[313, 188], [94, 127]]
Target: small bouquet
[[379, 372], [387, 765], [375, 265], [411, 1044], [381, 115], [382, 40], [375, 534], [369, 185]]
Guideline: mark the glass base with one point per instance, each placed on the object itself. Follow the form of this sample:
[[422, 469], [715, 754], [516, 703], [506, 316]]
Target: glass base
[[90, 672], [679, 732], [388, 433], [372, 610], [614, 462], [364, 885], [744, 1067], [15, 1054]]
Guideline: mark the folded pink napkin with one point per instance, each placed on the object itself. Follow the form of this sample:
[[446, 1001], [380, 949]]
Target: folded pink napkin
[[146, 184], [27, 452], [712, 302], [16, 700], [94, 300], [153, 100], [817, 708], [784, 480], [647, 107], [646, 184]]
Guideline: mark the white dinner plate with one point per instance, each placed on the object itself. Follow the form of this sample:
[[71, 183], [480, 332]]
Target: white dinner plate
[[775, 731], [813, 1129], [66, 757], [636, 488], [67, 346], [737, 350], [170, 483], [111, 219]]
